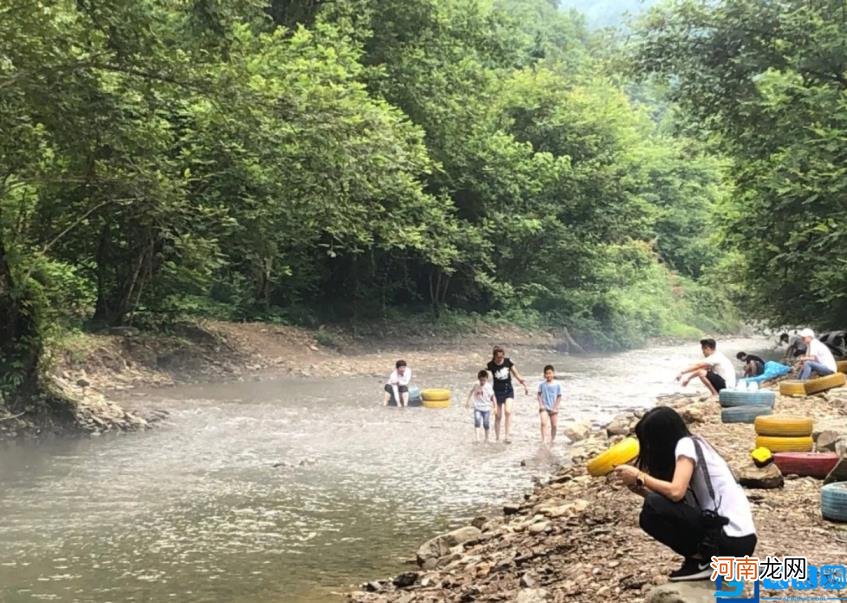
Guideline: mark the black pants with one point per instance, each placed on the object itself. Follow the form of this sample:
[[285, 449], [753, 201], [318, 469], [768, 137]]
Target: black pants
[[677, 525], [718, 382]]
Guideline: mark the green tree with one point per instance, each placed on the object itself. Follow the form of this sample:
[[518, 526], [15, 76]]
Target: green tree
[[765, 82]]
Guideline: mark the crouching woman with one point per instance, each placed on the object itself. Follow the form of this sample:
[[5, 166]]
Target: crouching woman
[[692, 502]]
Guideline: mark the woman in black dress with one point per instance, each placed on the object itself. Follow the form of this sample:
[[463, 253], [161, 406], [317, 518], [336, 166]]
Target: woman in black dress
[[502, 369]]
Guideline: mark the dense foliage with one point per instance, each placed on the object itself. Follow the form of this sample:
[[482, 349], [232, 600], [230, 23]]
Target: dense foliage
[[304, 161], [766, 84]]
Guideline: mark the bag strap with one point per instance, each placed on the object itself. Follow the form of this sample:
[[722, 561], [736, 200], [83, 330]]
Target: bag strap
[[701, 463]]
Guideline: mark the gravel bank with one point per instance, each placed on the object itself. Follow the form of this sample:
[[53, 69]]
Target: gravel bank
[[576, 538]]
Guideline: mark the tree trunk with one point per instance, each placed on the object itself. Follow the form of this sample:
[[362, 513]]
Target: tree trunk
[[119, 293], [20, 339], [101, 308]]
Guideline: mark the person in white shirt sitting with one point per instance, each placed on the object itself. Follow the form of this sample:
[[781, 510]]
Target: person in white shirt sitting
[[398, 384], [818, 358]]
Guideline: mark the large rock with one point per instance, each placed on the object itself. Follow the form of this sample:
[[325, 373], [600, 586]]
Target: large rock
[[569, 508], [620, 425], [836, 424], [539, 527], [532, 595], [838, 473], [406, 579], [431, 550], [695, 413], [575, 430], [827, 440], [511, 509], [683, 592], [764, 477]]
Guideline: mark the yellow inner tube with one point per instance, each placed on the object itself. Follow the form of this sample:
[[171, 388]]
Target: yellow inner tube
[[783, 425], [436, 403], [792, 387], [435, 394], [841, 365], [821, 384], [784, 444], [619, 454]]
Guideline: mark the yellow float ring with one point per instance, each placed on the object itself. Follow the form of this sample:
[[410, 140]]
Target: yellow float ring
[[821, 384], [435, 394], [783, 425], [619, 454], [784, 444]]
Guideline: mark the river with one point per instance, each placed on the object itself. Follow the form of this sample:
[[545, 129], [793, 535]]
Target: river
[[282, 490]]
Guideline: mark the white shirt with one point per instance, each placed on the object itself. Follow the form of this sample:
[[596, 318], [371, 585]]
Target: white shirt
[[397, 379], [732, 503], [822, 354], [481, 395], [722, 366]]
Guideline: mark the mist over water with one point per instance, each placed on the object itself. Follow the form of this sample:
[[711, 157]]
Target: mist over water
[[284, 490]]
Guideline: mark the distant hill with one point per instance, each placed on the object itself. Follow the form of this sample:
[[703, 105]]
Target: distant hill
[[607, 13]]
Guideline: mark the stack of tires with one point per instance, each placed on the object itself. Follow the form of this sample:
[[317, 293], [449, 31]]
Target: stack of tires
[[436, 398], [744, 407], [784, 433]]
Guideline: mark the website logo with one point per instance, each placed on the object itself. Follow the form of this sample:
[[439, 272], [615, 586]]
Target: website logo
[[793, 574]]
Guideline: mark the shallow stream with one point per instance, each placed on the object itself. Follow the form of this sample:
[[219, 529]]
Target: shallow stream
[[283, 490]]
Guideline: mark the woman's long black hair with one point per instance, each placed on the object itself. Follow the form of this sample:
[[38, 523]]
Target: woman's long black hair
[[658, 433]]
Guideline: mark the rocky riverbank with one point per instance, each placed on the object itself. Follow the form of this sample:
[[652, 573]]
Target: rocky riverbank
[[576, 538]]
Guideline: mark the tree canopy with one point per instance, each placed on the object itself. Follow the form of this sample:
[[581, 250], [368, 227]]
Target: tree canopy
[[306, 161], [765, 84]]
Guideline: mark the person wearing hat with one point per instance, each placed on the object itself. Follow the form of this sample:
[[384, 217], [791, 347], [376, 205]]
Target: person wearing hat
[[818, 358]]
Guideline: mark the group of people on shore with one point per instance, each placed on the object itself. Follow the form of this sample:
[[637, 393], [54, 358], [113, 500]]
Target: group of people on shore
[[716, 371], [692, 502]]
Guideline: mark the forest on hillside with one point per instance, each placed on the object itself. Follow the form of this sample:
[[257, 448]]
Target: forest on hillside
[[303, 162]]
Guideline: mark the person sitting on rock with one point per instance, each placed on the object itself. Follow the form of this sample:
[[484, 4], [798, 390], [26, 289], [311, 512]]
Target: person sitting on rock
[[713, 519], [818, 357], [398, 384], [753, 365], [715, 371]]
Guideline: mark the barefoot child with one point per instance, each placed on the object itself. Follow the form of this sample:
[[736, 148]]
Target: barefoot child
[[482, 395], [549, 397]]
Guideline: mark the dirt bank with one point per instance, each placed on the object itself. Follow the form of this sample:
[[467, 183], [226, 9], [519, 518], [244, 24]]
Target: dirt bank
[[222, 351], [576, 538], [89, 369]]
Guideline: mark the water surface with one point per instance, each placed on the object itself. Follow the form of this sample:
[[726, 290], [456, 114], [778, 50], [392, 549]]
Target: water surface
[[281, 490]]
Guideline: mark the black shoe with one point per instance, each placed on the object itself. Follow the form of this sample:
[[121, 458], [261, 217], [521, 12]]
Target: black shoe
[[692, 569]]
